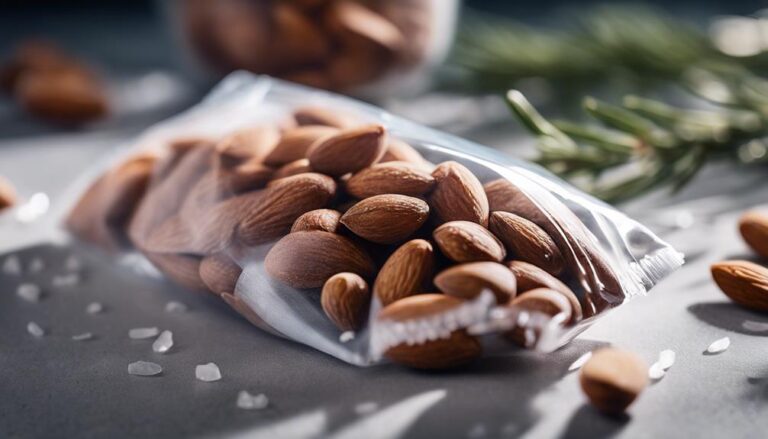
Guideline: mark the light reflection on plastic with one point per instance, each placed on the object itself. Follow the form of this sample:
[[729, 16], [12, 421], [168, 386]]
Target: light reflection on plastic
[[34, 208]]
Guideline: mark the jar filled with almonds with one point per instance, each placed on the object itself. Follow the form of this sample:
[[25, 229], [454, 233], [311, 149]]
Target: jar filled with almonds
[[367, 47]]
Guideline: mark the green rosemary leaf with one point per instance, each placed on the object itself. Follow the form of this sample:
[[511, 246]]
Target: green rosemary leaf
[[534, 121], [630, 122], [609, 140]]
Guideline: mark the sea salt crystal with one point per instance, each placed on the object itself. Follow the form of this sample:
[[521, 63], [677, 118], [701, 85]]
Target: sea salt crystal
[[346, 336], [753, 326], [666, 358], [29, 292], [34, 208], [94, 308], [719, 345], [576, 365], [365, 408], [82, 337], [207, 372], [12, 265], [174, 306], [142, 333], [35, 329], [247, 401], [656, 371], [65, 280], [163, 343], [36, 265], [144, 368], [72, 263]]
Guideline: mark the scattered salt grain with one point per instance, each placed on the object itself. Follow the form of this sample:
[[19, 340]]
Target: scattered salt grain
[[365, 408], [72, 263], [12, 265], [82, 337], [94, 308], [174, 306], [753, 326], [576, 365], [163, 343], [36, 265], [29, 292], [144, 368], [346, 336], [142, 333], [34, 208], [65, 280], [35, 329], [656, 371], [719, 345], [666, 358], [207, 372], [247, 401]]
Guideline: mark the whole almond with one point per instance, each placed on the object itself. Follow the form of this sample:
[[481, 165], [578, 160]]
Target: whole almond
[[530, 277], [311, 115], [246, 144], [299, 166], [349, 150], [612, 379], [744, 282], [69, 96], [439, 353], [406, 272], [308, 259], [182, 269], [467, 281], [464, 241], [242, 308], [326, 220], [386, 219], [220, 273], [458, 195], [399, 151], [297, 38], [541, 301], [754, 229], [352, 20], [526, 241], [345, 299], [7, 193], [177, 149], [390, 178], [295, 143], [244, 177]]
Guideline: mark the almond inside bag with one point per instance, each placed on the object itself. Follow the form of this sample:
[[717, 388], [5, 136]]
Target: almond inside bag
[[366, 236]]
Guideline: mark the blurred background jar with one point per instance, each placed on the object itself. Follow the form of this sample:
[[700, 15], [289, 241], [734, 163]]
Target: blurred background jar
[[369, 48]]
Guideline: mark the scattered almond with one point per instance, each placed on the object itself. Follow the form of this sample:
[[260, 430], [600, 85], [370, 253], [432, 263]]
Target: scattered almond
[[464, 241], [526, 241], [345, 299], [386, 219], [468, 280], [68, 96], [744, 282], [406, 272], [326, 220], [458, 195], [753, 226], [612, 379], [390, 178], [348, 151]]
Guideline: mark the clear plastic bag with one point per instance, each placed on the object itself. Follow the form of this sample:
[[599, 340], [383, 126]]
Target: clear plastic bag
[[192, 199]]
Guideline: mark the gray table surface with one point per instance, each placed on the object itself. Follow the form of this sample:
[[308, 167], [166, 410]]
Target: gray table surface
[[56, 387]]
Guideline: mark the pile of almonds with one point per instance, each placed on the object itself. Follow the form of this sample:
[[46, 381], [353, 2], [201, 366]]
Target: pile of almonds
[[360, 218], [746, 282], [331, 44]]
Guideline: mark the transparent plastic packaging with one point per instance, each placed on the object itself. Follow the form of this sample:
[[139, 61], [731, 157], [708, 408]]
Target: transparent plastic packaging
[[208, 215]]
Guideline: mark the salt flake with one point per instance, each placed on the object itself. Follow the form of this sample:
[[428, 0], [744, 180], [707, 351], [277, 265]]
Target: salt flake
[[144, 368], [142, 333], [753, 326], [29, 292], [207, 372], [666, 358], [35, 329], [719, 345], [163, 343], [94, 308], [174, 306], [580, 362], [656, 371], [82, 337], [12, 266], [346, 336], [247, 401]]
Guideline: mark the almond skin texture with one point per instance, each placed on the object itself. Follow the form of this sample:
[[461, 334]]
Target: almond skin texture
[[467, 281], [405, 272], [464, 241], [252, 143], [744, 282], [299, 166], [458, 195], [219, 273], [7, 194], [460, 348], [386, 219], [754, 229], [390, 178], [322, 116], [308, 259], [295, 143], [526, 241], [612, 379], [182, 269], [530, 277], [345, 299], [348, 151], [244, 177], [326, 220]]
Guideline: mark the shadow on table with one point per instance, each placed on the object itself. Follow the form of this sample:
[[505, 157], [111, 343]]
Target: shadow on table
[[588, 422], [728, 316]]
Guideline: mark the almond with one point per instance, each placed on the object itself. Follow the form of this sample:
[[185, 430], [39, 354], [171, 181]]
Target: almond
[[295, 143], [246, 144], [351, 20], [182, 269], [345, 299], [578, 246], [754, 229], [299, 166], [530, 277], [543, 302], [406, 272], [459, 348], [308, 259], [386, 219], [467, 281], [612, 379], [348, 151], [7, 194], [458, 195], [390, 178], [220, 273], [297, 38], [326, 220], [399, 151], [69, 96], [526, 241], [464, 241], [311, 115], [242, 308], [175, 151], [744, 282], [244, 177]]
